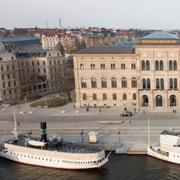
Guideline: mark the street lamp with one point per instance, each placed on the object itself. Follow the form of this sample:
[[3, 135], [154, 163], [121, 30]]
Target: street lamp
[[119, 136], [82, 136]]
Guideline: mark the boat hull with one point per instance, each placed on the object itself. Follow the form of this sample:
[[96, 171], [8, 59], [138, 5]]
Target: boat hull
[[162, 155], [55, 159]]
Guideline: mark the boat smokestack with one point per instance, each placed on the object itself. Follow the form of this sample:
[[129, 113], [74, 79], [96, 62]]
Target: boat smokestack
[[43, 132]]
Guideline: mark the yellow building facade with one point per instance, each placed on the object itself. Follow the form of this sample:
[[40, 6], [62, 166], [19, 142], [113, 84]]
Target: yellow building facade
[[144, 76]]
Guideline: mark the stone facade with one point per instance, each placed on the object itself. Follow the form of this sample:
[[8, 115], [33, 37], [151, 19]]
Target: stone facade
[[9, 77], [146, 78], [30, 75]]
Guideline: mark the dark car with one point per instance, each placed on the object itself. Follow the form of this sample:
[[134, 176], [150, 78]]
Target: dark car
[[126, 113]]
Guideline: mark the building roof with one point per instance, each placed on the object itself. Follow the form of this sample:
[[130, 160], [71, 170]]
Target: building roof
[[18, 39], [125, 43], [107, 50], [160, 35]]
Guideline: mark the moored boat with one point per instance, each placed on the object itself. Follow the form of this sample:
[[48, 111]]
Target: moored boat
[[169, 149], [52, 152]]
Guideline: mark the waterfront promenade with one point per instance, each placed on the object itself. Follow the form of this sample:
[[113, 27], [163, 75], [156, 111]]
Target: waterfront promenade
[[125, 135]]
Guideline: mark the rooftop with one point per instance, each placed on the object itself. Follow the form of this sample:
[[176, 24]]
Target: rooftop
[[107, 50], [125, 43], [160, 35], [18, 39]]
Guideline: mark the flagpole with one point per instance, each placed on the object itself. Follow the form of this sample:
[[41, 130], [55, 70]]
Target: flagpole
[[148, 132]]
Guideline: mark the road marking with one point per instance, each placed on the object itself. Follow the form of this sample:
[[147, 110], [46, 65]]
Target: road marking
[[71, 114], [4, 121], [110, 122]]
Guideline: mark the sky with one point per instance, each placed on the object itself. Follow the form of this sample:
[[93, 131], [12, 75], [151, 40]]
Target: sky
[[142, 14]]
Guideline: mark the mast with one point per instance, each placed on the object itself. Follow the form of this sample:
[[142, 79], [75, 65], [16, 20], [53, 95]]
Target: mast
[[15, 125]]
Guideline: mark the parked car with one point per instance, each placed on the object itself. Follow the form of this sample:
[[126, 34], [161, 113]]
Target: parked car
[[126, 113]]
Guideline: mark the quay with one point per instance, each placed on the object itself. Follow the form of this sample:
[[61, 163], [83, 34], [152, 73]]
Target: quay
[[124, 135]]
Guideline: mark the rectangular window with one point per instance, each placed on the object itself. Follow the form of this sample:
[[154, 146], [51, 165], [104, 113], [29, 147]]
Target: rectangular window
[[133, 66], [103, 83], [124, 84], [82, 66], [92, 66], [103, 66], [104, 96], [123, 66], [94, 96], [113, 66]]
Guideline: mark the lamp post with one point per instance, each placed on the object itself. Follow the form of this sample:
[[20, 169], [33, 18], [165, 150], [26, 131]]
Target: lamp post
[[82, 136], [119, 136]]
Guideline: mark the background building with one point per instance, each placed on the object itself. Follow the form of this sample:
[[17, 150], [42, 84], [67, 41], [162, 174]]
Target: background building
[[34, 73], [9, 77]]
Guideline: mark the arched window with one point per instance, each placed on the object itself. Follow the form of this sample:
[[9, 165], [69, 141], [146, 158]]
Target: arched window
[[172, 100], [148, 84], [147, 65], [124, 96], [84, 97], [157, 84], [157, 65], [93, 83], [94, 96], [134, 82], [159, 100], [134, 96], [175, 65], [103, 83], [92, 66], [144, 83], [104, 96], [113, 83], [161, 65], [124, 82], [143, 65], [162, 83], [170, 66], [173, 84], [114, 96], [83, 83], [145, 100]]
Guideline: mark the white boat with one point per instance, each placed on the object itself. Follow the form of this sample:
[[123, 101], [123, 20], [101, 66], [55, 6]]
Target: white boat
[[169, 149], [52, 153]]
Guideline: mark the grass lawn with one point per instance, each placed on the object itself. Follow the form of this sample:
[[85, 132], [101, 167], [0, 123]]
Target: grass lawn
[[52, 102]]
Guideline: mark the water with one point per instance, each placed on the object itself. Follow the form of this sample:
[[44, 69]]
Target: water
[[120, 167]]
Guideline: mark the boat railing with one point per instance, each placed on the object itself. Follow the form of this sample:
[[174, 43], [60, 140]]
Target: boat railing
[[157, 150]]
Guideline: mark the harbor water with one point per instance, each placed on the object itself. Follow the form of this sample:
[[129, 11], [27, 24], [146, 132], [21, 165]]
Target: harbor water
[[119, 167]]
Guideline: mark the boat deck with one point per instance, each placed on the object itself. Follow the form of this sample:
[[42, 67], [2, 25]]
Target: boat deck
[[55, 146]]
